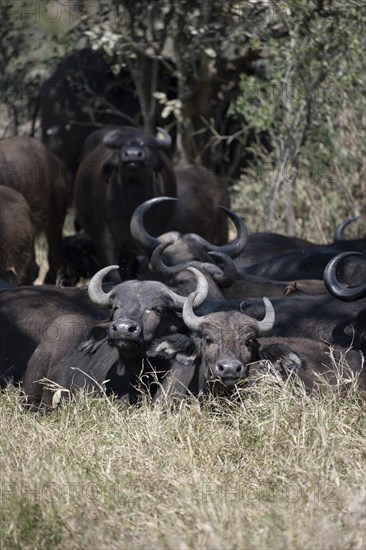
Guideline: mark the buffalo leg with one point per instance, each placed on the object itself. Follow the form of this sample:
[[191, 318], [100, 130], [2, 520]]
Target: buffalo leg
[[53, 237]]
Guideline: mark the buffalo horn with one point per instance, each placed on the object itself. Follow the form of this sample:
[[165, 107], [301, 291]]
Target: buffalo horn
[[139, 234], [112, 140], [147, 243], [226, 276], [198, 296], [338, 234], [165, 141], [190, 319], [95, 290], [334, 287], [235, 247], [195, 323], [157, 264], [267, 322]]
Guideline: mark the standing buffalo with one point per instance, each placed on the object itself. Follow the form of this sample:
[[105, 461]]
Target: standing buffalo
[[30, 168], [17, 255], [114, 177]]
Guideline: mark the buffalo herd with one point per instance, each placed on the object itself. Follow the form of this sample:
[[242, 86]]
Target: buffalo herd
[[173, 306]]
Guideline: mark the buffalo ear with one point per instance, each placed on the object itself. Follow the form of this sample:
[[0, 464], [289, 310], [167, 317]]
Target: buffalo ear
[[113, 139], [96, 337], [282, 357], [173, 347]]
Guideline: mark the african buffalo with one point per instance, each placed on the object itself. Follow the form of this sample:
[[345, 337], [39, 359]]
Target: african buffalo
[[172, 252], [188, 246], [116, 176], [79, 347], [183, 281], [222, 346], [17, 256], [30, 168]]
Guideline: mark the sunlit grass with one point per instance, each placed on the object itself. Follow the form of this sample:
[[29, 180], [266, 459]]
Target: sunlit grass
[[273, 468]]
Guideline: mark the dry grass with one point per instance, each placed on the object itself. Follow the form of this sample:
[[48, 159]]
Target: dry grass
[[318, 209], [330, 185], [273, 469]]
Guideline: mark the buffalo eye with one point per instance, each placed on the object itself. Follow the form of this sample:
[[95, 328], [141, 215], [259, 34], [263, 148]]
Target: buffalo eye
[[156, 310], [114, 309], [208, 339], [252, 343]]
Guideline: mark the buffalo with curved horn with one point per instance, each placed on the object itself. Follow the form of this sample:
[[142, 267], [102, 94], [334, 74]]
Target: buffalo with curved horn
[[189, 246], [226, 347], [121, 168], [90, 349], [225, 343], [183, 282], [107, 299]]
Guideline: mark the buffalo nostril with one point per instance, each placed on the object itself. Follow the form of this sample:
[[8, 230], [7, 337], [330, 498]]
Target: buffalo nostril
[[114, 328], [229, 369], [132, 328]]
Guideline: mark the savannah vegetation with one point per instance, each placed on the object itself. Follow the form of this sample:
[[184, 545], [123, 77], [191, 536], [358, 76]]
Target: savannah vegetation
[[279, 87], [273, 468]]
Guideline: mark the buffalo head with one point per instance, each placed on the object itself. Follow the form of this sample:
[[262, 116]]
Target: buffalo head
[[136, 152], [227, 340], [141, 310]]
